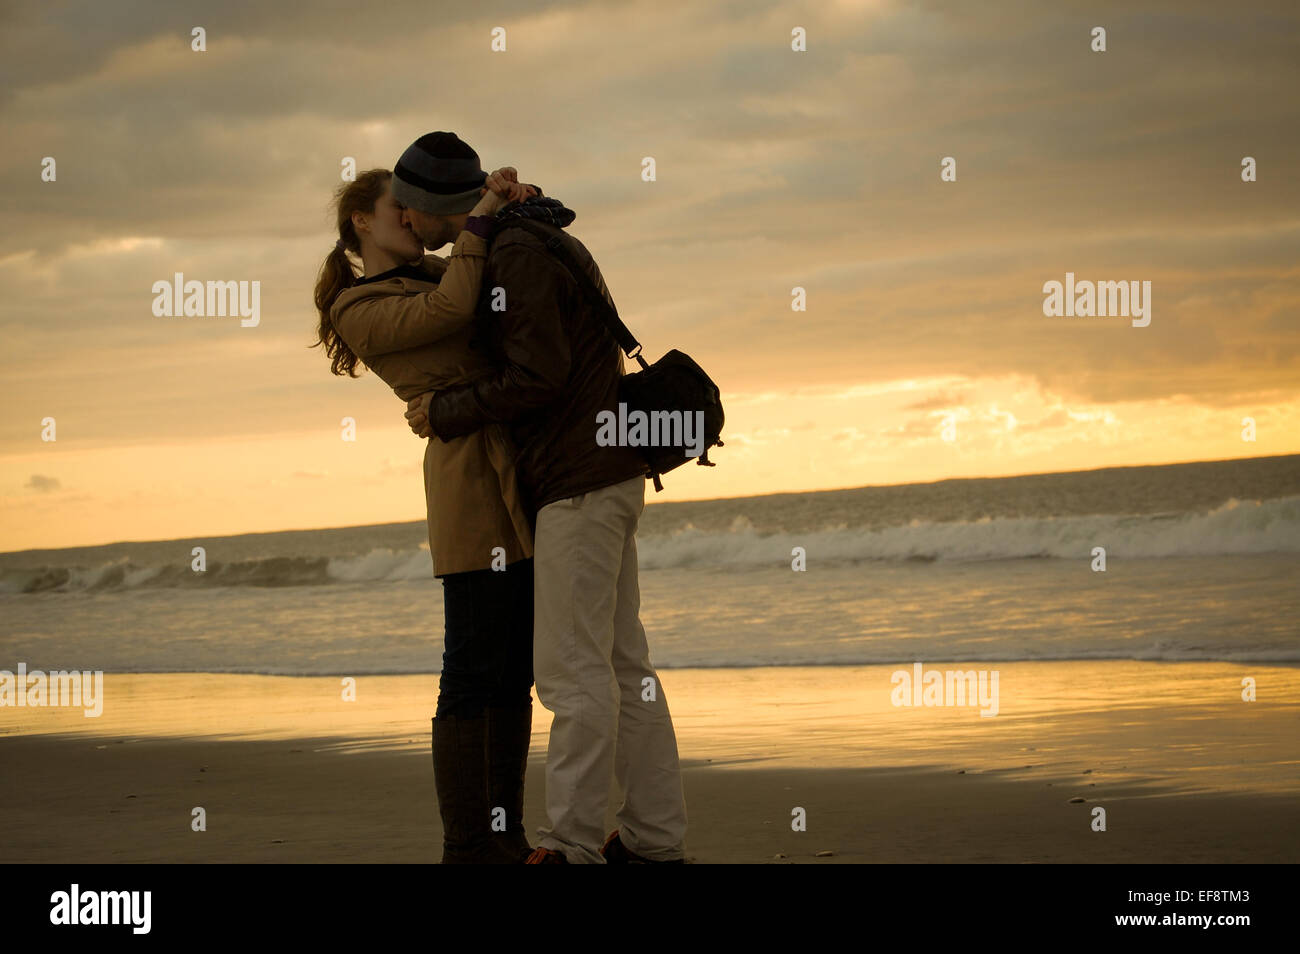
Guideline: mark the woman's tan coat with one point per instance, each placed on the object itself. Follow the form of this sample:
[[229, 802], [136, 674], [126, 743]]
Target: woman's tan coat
[[415, 336]]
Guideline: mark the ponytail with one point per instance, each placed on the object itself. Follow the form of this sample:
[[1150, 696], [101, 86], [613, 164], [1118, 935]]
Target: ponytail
[[336, 275]]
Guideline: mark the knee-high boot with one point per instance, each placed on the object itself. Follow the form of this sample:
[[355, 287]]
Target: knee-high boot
[[509, 734], [460, 770]]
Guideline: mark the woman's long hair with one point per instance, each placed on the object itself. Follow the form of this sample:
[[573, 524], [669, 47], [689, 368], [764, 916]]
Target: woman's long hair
[[336, 275]]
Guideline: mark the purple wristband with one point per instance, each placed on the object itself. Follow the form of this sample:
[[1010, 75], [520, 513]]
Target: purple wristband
[[480, 225]]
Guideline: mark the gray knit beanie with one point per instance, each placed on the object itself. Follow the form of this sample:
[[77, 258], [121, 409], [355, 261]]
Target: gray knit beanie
[[438, 174]]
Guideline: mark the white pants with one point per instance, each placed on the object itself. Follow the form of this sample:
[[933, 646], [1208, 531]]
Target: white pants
[[593, 671]]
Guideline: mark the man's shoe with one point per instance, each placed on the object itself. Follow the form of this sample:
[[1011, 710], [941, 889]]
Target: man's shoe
[[460, 774], [617, 853], [544, 856], [509, 734]]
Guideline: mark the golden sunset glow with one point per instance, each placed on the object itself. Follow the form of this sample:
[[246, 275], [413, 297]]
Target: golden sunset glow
[[775, 171]]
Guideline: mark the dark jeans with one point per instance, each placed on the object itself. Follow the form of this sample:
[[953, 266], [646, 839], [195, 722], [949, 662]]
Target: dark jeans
[[488, 654]]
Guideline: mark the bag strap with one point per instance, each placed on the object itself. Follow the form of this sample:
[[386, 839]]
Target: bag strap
[[604, 308]]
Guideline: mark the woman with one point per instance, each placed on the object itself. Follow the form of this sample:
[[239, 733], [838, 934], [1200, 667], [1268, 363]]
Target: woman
[[409, 320]]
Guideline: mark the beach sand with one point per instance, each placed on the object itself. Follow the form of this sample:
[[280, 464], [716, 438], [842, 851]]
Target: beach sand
[[288, 772]]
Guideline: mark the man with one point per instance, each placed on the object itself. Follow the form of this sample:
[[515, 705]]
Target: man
[[557, 368]]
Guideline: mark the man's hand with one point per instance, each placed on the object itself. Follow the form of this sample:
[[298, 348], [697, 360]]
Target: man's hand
[[417, 414], [504, 182]]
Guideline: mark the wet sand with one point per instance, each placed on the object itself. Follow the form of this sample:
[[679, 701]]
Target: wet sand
[[287, 771]]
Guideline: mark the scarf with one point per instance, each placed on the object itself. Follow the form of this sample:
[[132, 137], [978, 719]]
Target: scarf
[[544, 208]]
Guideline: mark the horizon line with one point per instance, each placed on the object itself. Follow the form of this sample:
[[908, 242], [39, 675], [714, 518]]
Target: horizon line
[[775, 493]]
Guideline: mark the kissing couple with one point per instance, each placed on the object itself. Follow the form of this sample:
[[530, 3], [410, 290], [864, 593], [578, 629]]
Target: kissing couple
[[505, 364]]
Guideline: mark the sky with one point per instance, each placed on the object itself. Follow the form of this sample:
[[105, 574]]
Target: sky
[[923, 354]]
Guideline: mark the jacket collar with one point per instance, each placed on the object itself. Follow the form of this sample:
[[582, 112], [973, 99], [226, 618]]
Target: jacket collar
[[407, 270]]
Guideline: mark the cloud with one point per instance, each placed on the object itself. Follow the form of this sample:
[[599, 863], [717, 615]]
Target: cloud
[[42, 484], [1057, 418], [937, 402], [775, 169]]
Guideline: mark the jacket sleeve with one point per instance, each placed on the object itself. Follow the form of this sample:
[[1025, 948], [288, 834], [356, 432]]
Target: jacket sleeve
[[536, 356], [388, 323]]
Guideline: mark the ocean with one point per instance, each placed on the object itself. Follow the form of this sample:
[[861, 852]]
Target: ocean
[[1202, 563]]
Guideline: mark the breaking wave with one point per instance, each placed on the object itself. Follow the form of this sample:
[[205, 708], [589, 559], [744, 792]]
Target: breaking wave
[[1236, 527]]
